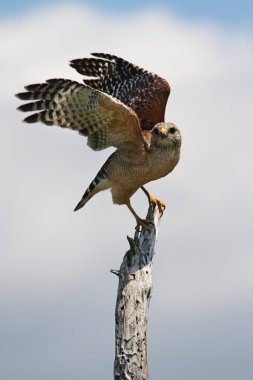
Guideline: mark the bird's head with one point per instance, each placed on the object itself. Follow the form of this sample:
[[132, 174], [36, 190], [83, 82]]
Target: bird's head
[[165, 135]]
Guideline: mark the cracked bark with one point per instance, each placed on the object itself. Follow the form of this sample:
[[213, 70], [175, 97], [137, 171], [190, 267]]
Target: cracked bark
[[134, 294]]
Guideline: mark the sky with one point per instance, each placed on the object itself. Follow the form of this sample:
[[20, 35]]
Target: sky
[[57, 295], [223, 11]]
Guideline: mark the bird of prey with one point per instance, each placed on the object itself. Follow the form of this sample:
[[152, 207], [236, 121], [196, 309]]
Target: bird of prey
[[119, 105]]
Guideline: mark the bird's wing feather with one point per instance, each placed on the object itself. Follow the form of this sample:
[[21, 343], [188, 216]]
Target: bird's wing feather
[[145, 92], [105, 120]]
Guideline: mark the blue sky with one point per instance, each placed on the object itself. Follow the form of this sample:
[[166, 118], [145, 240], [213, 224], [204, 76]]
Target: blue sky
[[56, 289], [224, 11]]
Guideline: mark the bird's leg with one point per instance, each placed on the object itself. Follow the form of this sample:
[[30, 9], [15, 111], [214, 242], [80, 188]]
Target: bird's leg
[[140, 222], [153, 200]]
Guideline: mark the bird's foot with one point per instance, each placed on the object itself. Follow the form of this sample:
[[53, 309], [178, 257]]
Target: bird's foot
[[140, 222], [143, 223], [156, 202]]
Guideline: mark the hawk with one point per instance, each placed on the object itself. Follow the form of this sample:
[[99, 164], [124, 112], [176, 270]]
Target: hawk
[[119, 105]]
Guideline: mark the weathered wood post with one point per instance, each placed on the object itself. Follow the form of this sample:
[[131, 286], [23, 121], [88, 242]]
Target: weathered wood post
[[134, 294]]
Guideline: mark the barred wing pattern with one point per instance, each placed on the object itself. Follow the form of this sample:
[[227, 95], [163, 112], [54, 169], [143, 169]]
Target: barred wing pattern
[[145, 92], [105, 120]]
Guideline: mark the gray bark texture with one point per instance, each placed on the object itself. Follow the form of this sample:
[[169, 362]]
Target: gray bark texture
[[134, 294]]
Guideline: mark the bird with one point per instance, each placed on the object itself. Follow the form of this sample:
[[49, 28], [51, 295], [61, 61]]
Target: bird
[[119, 104]]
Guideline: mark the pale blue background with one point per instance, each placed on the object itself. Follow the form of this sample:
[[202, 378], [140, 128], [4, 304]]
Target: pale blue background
[[224, 11], [57, 296]]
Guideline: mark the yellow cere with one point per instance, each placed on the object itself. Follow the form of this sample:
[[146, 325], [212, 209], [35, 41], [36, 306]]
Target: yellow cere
[[163, 130]]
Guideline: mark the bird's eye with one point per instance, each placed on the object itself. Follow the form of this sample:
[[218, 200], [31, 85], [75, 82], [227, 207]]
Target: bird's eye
[[172, 130], [156, 131]]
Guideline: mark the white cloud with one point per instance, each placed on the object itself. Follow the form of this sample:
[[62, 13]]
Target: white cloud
[[204, 255]]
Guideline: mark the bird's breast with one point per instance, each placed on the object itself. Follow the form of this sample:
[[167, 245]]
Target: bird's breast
[[131, 169], [162, 162]]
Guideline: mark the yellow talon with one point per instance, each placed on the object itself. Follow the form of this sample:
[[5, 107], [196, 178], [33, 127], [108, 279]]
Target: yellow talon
[[140, 222], [143, 223], [153, 200]]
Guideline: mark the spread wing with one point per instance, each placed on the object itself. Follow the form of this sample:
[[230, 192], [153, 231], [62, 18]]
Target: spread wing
[[145, 92], [105, 120]]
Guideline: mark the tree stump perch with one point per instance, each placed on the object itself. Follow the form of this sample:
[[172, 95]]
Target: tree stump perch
[[134, 294]]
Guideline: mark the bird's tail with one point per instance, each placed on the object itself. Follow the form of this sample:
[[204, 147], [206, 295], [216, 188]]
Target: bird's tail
[[85, 198], [99, 183]]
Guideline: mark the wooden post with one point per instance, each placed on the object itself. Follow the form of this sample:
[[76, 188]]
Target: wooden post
[[134, 294]]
